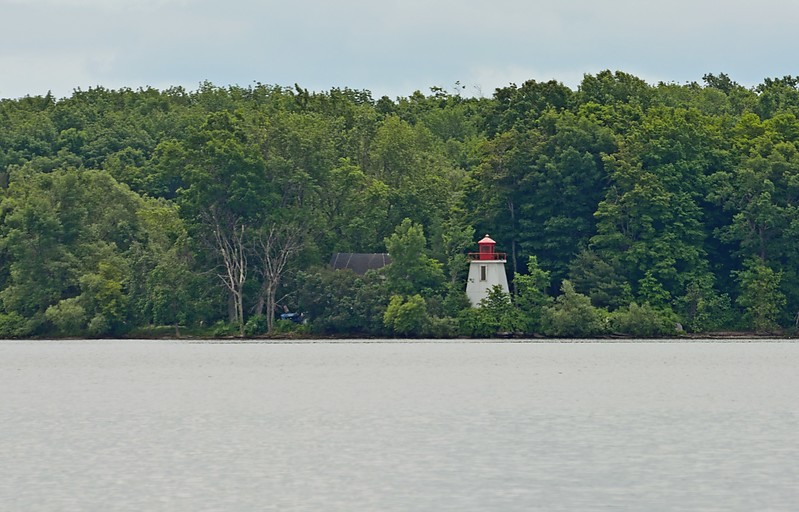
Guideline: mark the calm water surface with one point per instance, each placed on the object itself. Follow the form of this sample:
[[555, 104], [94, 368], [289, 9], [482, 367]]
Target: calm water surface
[[422, 426]]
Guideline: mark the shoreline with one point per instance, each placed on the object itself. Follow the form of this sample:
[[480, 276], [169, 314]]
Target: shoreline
[[288, 337]]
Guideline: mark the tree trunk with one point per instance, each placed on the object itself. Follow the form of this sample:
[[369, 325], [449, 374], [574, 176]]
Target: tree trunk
[[274, 247], [261, 304], [270, 308], [232, 315], [240, 311], [229, 237]]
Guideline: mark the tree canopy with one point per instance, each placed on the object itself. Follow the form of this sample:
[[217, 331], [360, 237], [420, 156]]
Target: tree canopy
[[624, 207]]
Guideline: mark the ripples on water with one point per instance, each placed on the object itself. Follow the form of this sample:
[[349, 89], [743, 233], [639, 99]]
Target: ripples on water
[[340, 426]]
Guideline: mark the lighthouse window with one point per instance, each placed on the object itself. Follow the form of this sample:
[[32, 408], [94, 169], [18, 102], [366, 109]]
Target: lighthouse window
[[482, 272]]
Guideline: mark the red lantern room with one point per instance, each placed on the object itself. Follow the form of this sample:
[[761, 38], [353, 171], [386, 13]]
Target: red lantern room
[[486, 246]]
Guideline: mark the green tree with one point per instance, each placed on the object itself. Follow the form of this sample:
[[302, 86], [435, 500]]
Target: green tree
[[104, 296], [531, 294], [226, 196], [328, 299], [407, 316], [68, 316], [704, 309], [573, 316], [760, 294], [537, 189], [413, 164], [496, 314], [498, 311], [600, 280], [760, 200], [345, 196], [69, 235], [642, 321], [457, 238], [411, 271], [172, 293], [519, 106], [650, 222], [14, 325]]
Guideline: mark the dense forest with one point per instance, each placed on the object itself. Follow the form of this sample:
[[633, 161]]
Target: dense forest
[[624, 208]]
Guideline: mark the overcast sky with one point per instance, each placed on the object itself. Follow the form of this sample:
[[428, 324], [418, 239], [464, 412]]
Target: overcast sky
[[390, 47]]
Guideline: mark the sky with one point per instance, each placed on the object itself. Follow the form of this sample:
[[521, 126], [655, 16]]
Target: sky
[[389, 47]]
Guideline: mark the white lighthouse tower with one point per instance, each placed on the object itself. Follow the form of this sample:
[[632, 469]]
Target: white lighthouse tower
[[486, 270]]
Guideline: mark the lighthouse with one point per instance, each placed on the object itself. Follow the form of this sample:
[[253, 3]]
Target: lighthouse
[[486, 270]]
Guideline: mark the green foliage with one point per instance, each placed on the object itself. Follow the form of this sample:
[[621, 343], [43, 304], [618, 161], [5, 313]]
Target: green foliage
[[14, 325], [407, 316], [341, 302], [474, 322], [346, 192], [457, 237], [651, 291], [371, 300], [328, 298], [71, 236], [121, 209], [531, 294], [255, 325], [525, 178], [600, 280], [103, 292], [455, 300], [68, 316], [99, 326], [411, 270], [703, 309], [499, 312], [643, 321], [521, 106], [760, 294], [573, 316], [495, 315], [288, 327], [223, 329], [444, 327]]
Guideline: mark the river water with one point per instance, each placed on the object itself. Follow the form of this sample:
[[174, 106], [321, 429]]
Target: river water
[[398, 426]]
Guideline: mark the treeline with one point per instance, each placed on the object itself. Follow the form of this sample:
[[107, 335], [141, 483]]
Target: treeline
[[624, 207]]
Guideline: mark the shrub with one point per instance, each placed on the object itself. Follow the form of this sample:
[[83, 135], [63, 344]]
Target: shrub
[[68, 317], [407, 317], [13, 325], [573, 316], [472, 322], [287, 326], [99, 326], [444, 327], [222, 329], [643, 321], [255, 325]]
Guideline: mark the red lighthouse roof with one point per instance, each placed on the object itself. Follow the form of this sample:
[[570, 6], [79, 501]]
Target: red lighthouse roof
[[487, 253], [486, 246]]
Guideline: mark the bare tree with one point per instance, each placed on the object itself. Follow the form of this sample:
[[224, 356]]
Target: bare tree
[[229, 240], [274, 246]]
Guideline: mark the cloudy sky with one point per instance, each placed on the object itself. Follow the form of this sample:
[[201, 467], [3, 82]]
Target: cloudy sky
[[390, 47]]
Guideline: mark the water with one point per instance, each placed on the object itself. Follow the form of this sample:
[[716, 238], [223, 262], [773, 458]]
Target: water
[[440, 426]]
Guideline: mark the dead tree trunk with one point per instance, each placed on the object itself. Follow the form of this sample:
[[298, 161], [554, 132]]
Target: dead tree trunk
[[230, 239], [274, 247]]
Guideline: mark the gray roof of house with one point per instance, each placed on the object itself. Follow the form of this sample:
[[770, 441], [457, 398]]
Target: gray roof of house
[[359, 262]]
